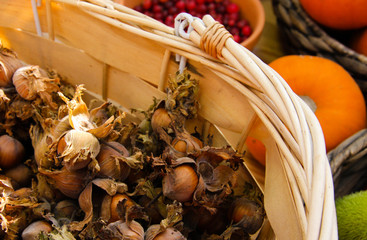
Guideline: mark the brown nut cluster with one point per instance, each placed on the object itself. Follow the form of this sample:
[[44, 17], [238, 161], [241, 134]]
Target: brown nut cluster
[[69, 171]]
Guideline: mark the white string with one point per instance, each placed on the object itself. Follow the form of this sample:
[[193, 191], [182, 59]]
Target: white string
[[182, 21], [36, 17]]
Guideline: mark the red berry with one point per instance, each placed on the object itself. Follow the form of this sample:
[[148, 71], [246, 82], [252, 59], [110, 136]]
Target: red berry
[[231, 22], [234, 31], [220, 8], [199, 15], [211, 6], [173, 10], [225, 20], [223, 11], [226, 2], [202, 8], [234, 16], [219, 18], [165, 13], [158, 16], [246, 30], [232, 8], [190, 5], [148, 13], [180, 5], [213, 14], [194, 13], [157, 8], [169, 21], [241, 23], [147, 4], [237, 38], [167, 5]]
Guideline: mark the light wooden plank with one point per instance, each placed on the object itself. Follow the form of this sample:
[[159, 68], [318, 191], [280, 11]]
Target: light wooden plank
[[74, 65]]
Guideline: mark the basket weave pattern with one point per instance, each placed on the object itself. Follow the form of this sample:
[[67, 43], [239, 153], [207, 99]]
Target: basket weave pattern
[[306, 37], [298, 179], [348, 160]]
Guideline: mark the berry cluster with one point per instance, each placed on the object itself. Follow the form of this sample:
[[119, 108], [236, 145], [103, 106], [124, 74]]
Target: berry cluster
[[223, 11]]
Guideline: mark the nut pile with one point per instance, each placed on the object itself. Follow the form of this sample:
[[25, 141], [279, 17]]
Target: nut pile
[[69, 171], [223, 11]]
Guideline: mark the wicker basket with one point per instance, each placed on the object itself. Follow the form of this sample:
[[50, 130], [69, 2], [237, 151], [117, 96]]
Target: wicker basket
[[306, 37], [348, 162], [125, 57]]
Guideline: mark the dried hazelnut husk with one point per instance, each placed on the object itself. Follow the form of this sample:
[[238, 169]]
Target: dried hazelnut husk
[[77, 148], [154, 232], [32, 81], [247, 214], [20, 175], [4, 100], [111, 161], [35, 229], [90, 199], [66, 209], [69, 183], [187, 145], [109, 209], [131, 230], [9, 63], [6, 185], [180, 183], [160, 119], [24, 192], [80, 118], [12, 151], [41, 142], [61, 127], [100, 114]]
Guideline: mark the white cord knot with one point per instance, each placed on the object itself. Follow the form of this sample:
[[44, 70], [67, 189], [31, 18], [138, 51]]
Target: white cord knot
[[183, 21]]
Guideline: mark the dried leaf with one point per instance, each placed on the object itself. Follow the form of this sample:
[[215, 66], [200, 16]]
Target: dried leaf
[[85, 200], [174, 215], [61, 234], [124, 230], [220, 178], [5, 185], [182, 100], [136, 161]]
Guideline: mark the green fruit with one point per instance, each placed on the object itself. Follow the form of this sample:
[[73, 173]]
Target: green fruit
[[351, 213]]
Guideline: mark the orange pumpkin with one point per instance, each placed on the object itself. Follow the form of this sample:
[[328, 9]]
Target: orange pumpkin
[[359, 42], [340, 105], [337, 14], [256, 148]]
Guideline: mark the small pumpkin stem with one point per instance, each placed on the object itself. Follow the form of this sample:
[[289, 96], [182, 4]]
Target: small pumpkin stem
[[309, 102]]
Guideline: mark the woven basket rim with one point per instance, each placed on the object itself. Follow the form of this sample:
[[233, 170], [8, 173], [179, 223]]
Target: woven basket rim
[[297, 139], [306, 25]]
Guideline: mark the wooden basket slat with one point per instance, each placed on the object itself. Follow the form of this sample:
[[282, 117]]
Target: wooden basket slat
[[147, 58], [23, 9], [75, 65]]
